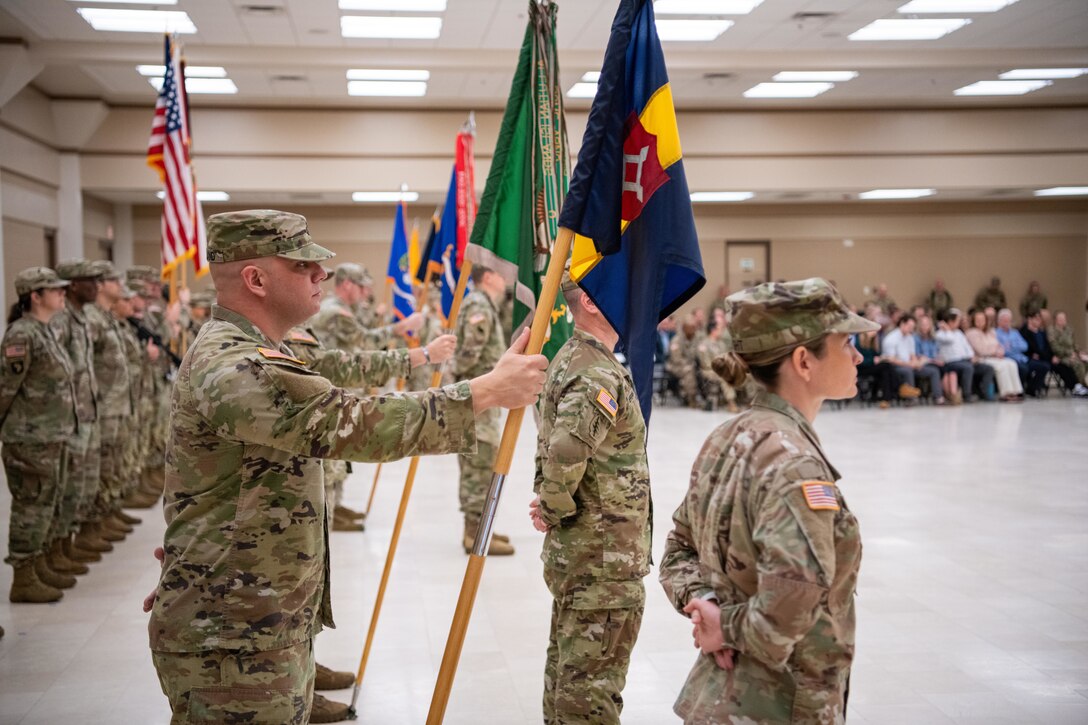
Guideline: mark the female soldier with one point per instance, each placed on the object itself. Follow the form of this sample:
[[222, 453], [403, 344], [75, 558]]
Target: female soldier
[[764, 554], [37, 416]]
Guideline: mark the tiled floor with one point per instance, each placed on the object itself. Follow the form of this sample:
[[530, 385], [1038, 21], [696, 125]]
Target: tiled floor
[[973, 600]]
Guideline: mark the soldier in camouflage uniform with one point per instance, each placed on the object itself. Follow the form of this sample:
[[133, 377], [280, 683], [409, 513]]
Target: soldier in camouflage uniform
[[430, 330], [149, 283], [245, 580], [136, 354], [1064, 347], [593, 500], [74, 334], [682, 362], [480, 344], [764, 555], [991, 296], [200, 307], [37, 420], [715, 391]]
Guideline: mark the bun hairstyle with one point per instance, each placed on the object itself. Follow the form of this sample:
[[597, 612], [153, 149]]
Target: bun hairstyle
[[735, 369], [731, 368]]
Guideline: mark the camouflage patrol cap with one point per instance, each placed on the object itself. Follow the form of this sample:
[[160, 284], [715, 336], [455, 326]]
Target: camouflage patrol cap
[[203, 298], [127, 293], [141, 273], [353, 272], [770, 319], [76, 269], [36, 278], [238, 235], [567, 284], [104, 268]]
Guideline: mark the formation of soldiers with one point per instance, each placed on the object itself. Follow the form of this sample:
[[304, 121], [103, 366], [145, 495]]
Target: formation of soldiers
[[692, 351], [84, 394]]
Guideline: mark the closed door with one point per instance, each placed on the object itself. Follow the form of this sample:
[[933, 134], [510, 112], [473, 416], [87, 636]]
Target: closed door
[[747, 264]]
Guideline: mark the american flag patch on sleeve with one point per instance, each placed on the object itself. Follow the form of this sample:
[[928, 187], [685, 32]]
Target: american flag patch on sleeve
[[820, 496], [15, 350], [606, 401]]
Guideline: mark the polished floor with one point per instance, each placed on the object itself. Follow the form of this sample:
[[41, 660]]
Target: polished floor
[[973, 598]]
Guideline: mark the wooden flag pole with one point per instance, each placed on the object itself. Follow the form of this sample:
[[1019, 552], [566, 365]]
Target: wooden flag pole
[[436, 380], [505, 455]]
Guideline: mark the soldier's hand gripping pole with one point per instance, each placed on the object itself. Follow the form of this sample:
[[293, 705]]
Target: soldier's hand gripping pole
[[436, 380], [475, 568]]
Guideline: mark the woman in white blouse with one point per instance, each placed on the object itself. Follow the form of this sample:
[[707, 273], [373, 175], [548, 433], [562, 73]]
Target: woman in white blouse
[[984, 342]]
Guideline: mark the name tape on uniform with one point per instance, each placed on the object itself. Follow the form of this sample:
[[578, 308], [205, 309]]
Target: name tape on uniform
[[820, 495]]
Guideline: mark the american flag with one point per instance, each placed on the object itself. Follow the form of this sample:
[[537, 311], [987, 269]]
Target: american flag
[[821, 496], [168, 154]]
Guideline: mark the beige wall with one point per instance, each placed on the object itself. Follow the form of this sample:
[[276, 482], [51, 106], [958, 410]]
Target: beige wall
[[24, 246]]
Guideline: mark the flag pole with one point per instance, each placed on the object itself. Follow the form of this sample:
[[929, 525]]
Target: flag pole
[[474, 569], [436, 380]]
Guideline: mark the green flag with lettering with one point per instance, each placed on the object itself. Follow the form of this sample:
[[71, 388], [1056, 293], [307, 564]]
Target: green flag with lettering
[[517, 222]]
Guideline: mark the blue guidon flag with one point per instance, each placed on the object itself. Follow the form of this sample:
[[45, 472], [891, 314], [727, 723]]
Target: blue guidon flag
[[635, 250], [397, 273]]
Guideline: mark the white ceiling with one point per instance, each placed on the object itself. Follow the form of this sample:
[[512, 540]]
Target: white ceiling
[[260, 42]]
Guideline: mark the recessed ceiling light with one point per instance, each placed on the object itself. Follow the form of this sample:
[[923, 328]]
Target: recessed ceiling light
[[1063, 191], [1001, 88], [138, 21], [591, 77], [204, 195], [1037, 73], [372, 197], [816, 75], [705, 7], [787, 90], [201, 85], [954, 6], [129, 2], [909, 28], [414, 6], [582, 90], [390, 26], [191, 71], [896, 193], [691, 30], [387, 88], [697, 196], [387, 74]]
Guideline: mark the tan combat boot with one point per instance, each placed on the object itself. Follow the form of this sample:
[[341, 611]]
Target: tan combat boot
[[89, 539], [50, 577], [330, 679], [343, 523], [59, 561], [116, 522], [325, 710], [127, 518], [76, 554], [106, 531], [500, 544], [26, 587], [347, 513], [141, 498]]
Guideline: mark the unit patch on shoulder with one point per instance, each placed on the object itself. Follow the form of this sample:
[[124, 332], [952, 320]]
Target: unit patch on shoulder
[[302, 337], [277, 355], [476, 319], [820, 495], [607, 402]]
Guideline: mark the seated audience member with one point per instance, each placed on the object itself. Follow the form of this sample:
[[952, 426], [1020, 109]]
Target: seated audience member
[[959, 357], [715, 391], [928, 347], [940, 299], [992, 296], [880, 371], [899, 349], [1016, 349], [1060, 336], [1033, 301], [991, 317], [917, 312], [990, 352], [682, 363], [1039, 350]]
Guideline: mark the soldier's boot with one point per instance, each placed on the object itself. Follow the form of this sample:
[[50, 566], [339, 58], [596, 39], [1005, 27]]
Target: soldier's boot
[[59, 561], [116, 522], [52, 578], [326, 710], [500, 543], [343, 523], [127, 518], [349, 513], [90, 538], [153, 481], [26, 587], [78, 555], [108, 530], [330, 679]]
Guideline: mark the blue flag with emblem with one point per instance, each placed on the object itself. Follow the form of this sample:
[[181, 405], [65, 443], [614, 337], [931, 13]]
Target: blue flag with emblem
[[444, 253], [635, 251], [398, 275]]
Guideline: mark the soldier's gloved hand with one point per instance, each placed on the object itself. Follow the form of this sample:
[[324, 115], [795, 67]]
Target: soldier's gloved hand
[[441, 349], [411, 323], [534, 515], [515, 381], [149, 600], [706, 618]]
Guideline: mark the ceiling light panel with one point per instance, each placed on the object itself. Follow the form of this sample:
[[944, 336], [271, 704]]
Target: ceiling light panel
[[191, 71], [834, 76], [788, 90], [705, 196], [408, 6], [1001, 88], [390, 27], [691, 30], [138, 21], [387, 74], [705, 7], [1021, 74], [582, 90], [1063, 191], [400, 89], [204, 195], [129, 2], [201, 85], [378, 197], [946, 7], [909, 28], [591, 77], [896, 193]]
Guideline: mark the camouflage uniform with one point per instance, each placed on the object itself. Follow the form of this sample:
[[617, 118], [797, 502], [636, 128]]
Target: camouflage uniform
[[111, 372], [73, 332], [155, 320], [939, 301], [480, 344], [1031, 304], [37, 419], [594, 485], [420, 377], [990, 297], [1063, 345], [765, 531], [245, 581], [339, 324], [683, 364], [715, 390], [139, 385]]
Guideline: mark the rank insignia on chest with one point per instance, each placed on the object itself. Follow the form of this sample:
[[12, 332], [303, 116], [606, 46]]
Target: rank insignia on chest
[[303, 338], [820, 496], [277, 355], [606, 401]]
